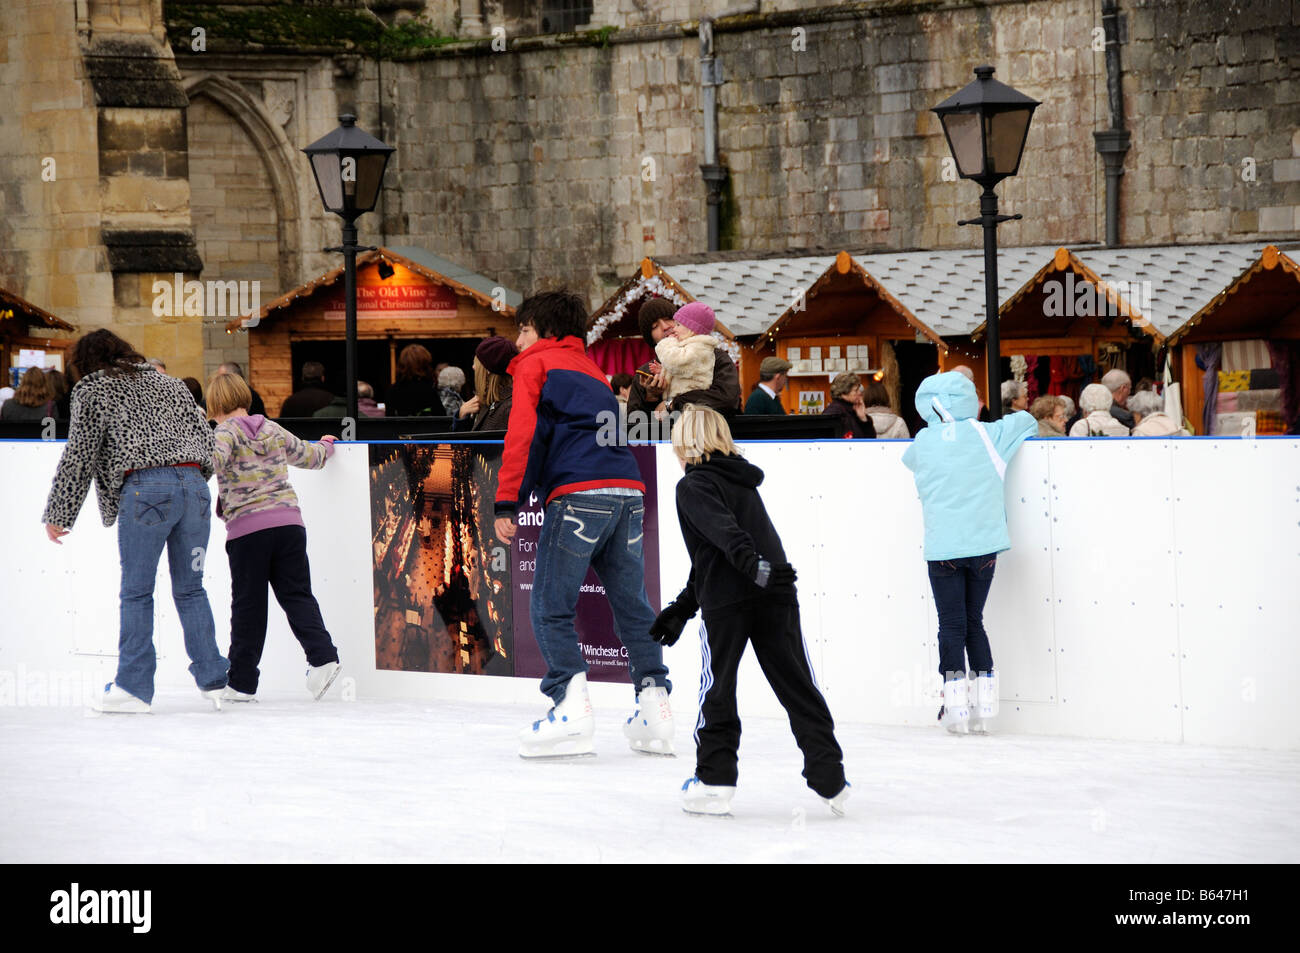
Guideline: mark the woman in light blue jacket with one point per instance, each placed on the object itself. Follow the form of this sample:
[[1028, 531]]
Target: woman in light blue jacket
[[959, 465]]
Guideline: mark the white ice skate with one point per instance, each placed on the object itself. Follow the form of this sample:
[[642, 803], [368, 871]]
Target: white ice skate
[[321, 677], [837, 802], [983, 702], [649, 730], [567, 729], [120, 701], [956, 706], [214, 695], [701, 798], [229, 694]]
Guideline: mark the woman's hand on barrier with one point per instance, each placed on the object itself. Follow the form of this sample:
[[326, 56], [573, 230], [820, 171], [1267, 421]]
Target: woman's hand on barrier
[[470, 406], [506, 529], [54, 532]]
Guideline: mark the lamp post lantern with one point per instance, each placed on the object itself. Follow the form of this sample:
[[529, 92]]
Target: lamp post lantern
[[348, 165], [986, 124]]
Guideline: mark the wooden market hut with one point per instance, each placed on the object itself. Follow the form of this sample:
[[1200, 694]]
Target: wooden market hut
[[613, 335], [1261, 304], [18, 319], [847, 321], [404, 296], [1068, 310]]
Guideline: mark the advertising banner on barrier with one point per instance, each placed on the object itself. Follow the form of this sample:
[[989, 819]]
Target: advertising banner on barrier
[[448, 595], [604, 653]]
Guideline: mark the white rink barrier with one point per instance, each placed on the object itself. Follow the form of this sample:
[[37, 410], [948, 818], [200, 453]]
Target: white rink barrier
[[1152, 591]]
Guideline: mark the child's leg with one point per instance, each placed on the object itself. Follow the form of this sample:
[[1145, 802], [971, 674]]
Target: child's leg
[[979, 579], [250, 563], [778, 643], [290, 578], [717, 733], [948, 582]]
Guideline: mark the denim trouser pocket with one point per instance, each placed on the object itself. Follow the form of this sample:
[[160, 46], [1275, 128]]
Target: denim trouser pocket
[[581, 528], [150, 507], [635, 529]]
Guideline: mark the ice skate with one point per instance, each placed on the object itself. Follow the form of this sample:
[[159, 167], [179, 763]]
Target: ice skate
[[649, 730], [120, 701], [701, 798], [214, 695], [229, 694], [321, 677], [567, 729], [837, 802], [955, 713], [984, 702]]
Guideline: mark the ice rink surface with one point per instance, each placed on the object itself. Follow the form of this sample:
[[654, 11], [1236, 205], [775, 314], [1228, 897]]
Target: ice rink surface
[[287, 779]]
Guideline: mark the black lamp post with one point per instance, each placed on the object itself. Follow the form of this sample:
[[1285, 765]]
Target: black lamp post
[[986, 123], [349, 168]]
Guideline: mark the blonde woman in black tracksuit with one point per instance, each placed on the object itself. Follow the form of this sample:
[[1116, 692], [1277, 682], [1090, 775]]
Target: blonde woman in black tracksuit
[[741, 580]]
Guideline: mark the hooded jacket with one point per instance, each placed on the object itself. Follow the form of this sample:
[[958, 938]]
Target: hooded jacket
[[959, 465], [555, 439], [727, 531], [889, 426], [252, 459], [688, 363]]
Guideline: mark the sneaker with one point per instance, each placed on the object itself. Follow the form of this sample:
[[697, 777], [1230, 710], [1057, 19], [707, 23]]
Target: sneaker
[[701, 798], [321, 677], [837, 802], [568, 728], [117, 699], [229, 694], [649, 729]]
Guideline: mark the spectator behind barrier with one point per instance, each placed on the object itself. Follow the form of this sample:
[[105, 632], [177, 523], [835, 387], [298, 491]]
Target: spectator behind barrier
[[1148, 410], [889, 425], [1120, 386], [621, 385], [1049, 411], [1015, 396], [489, 408], [196, 390], [1095, 403], [771, 381], [847, 407], [62, 392], [366, 406], [33, 401], [965, 371], [311, 396], [415, 393], [231, 367], [451, 384]]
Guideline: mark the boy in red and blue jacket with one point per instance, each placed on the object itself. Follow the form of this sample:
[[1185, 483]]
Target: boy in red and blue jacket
[[594, 512]]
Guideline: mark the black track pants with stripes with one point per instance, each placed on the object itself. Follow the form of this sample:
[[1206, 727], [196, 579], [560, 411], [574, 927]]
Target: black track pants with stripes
[[773, 629]]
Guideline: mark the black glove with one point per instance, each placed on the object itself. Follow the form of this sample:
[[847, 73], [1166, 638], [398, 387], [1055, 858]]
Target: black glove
[[668, 625], [771, 575]]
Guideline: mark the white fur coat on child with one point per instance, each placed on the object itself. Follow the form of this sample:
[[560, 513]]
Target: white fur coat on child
[[688, 364]]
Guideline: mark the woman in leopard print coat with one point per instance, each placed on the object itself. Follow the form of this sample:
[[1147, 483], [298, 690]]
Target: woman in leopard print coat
[[146, 444]]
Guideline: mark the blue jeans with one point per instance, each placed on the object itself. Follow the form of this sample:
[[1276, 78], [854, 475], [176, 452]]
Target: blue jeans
[[602, 532], [961, 587], [172, 507]]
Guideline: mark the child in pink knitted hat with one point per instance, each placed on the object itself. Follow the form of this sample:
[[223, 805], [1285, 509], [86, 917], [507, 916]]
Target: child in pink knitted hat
[[687, 353]]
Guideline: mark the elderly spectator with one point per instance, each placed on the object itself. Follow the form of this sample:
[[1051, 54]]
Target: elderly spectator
[[1120, 386], [146, 445], [771, 381], [846, 404], [33, 401], [1149, 411], [257, 406], [1015, 396], [158, 365], [889, 426], [451, 382], [1049, 411], [1095, 402], [965, 371]]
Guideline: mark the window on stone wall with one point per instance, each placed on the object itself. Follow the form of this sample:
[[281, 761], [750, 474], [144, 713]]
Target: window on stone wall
[[563, 16]]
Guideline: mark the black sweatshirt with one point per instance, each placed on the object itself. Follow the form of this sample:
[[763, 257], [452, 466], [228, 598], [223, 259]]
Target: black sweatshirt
[[727, 531]]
